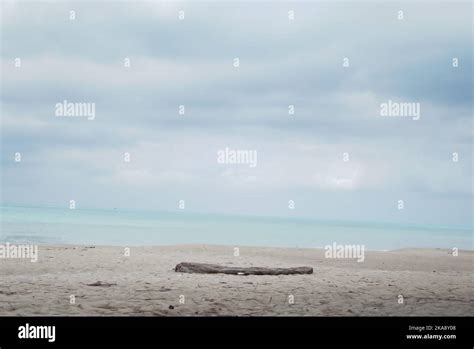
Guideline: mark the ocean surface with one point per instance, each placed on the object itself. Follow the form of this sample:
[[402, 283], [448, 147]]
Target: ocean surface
[[135, 228]]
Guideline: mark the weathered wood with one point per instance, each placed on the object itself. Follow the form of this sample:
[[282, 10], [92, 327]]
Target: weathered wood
[[203, 268], [100, 283]]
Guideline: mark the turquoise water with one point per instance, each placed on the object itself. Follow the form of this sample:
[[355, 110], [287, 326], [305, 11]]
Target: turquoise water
[[133, 228]]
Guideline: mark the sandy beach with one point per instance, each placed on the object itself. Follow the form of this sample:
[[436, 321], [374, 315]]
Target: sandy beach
[[104, 281]]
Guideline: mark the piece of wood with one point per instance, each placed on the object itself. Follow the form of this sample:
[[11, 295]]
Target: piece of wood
[[100, 283], [203, 268]]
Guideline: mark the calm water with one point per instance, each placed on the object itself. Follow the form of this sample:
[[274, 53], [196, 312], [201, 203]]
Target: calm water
[[102, 227]]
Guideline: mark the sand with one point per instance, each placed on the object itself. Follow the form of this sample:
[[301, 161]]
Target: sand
[[105, 282]]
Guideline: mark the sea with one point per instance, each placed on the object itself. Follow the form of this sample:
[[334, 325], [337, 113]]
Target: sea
[[46, 225]]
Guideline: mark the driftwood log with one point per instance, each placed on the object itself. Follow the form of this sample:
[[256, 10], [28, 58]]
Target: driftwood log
[[203, 268]]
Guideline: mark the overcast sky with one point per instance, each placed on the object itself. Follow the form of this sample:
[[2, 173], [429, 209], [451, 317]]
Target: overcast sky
[[282, 62]]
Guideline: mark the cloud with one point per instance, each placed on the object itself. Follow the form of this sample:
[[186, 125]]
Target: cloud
[[173, 62]]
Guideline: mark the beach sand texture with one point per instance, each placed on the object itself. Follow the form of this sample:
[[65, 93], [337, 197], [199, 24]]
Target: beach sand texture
[[106, 282]]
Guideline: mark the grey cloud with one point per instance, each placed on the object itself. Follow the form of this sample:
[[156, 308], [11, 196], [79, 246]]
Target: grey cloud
[[190, 63]]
